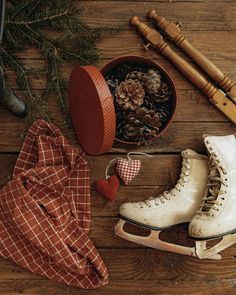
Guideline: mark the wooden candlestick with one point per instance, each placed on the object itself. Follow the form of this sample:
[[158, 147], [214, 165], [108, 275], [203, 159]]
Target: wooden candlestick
[[216, 96], [173, 32]]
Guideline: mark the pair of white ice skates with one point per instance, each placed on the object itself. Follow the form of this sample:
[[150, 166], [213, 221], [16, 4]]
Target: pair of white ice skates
[[204, 196]]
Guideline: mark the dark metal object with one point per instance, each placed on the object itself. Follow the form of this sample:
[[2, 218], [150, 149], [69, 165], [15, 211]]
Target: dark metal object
[[7, 97]]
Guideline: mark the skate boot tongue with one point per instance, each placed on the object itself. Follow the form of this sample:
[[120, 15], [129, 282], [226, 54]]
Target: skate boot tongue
[[217, 171], [213, 186], [223, 147], [166, 196]]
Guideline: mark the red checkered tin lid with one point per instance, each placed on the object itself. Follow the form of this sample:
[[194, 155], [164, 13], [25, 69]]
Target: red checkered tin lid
[[92, 109]]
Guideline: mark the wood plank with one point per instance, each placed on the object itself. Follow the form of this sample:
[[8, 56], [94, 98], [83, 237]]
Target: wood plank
[[161, 172], [180, 81], [117, 44], [173, 140], [213, 48], [124, 287], [202, 15], [191, 106], [180, 136], [145, 264], [164, 169]]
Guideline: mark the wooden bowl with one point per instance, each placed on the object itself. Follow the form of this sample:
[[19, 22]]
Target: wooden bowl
[[146, 62]]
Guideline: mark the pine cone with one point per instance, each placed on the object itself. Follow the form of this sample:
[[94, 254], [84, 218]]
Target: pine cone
[[163, 94], [154, 74], [149, 117], [136, 130], [152, 81], [136, 76], [131, 128], [164, 113], [130, 94], [112, 84]]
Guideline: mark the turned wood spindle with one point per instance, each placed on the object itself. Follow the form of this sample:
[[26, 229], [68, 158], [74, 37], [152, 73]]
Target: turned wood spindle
[[173, 32], [156, 40], [216, 96]]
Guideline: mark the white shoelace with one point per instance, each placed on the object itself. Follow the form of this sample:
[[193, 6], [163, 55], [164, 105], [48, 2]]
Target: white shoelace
[[213, 199], [168, 195]]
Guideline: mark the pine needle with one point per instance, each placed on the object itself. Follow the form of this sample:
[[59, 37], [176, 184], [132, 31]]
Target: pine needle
[[25, 28]]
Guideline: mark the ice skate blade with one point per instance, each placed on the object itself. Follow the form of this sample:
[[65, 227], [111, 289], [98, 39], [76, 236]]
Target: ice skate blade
[[202, 251], [155, 242]]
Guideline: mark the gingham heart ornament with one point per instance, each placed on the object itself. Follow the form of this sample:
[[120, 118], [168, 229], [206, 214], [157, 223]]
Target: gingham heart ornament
[[128, 169]]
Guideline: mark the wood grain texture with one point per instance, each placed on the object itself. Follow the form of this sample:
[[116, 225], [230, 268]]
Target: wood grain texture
[[173, 140], [192, 106], [211, 27], [182, 82], [44, 287], [165, 169], [145, 264]]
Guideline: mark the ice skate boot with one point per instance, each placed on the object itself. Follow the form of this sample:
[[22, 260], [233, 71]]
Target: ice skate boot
[[216, 216], [169, 208]]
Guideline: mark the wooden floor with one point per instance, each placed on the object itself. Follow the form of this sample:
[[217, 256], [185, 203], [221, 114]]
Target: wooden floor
[[133, 269]]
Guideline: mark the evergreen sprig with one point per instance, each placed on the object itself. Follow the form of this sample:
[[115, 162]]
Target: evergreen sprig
[[31, 25]]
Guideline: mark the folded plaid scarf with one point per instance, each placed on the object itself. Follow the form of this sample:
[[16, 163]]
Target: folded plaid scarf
[[45, 211]]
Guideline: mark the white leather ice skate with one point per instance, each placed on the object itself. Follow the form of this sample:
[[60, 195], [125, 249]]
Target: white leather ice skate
[[170, 208], [216, 216]]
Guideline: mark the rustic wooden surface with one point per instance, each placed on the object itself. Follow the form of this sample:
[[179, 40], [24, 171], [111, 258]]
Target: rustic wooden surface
[[133, 269]]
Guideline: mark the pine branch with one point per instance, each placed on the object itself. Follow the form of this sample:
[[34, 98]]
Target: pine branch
[[24, 28], [27, 23], [23, 83]]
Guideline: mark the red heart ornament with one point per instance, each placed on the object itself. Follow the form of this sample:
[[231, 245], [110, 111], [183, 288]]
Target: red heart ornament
[[128, 169], [107, 187]]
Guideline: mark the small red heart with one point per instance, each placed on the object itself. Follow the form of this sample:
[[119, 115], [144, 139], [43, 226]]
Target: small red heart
[[107, 187]]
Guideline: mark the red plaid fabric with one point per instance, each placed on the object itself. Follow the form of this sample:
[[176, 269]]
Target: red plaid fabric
[[127, 169], [45, 211]]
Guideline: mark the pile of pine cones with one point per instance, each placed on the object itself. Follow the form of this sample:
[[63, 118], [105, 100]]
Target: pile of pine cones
[[142, 101]]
